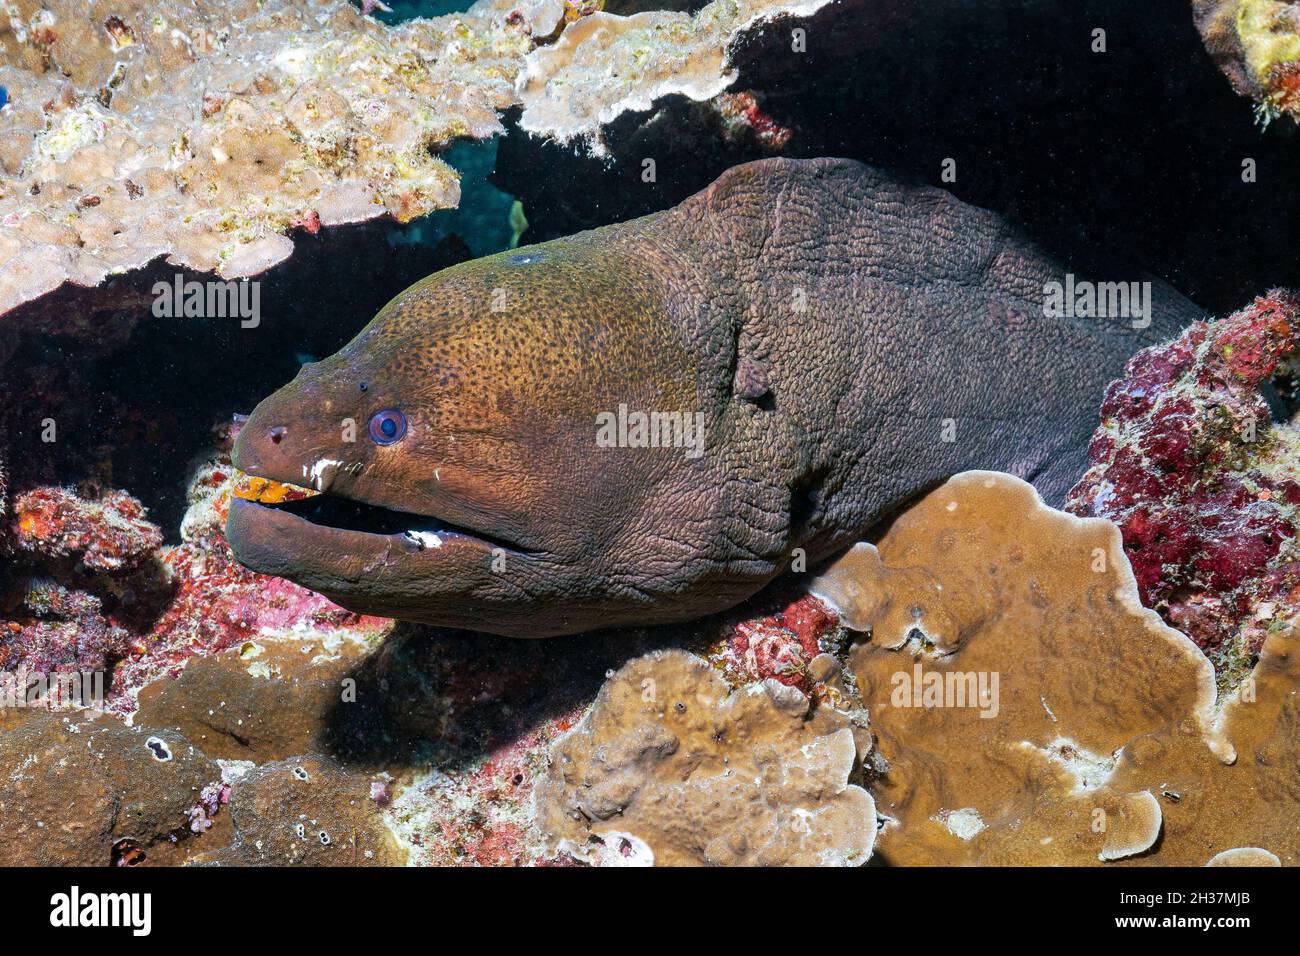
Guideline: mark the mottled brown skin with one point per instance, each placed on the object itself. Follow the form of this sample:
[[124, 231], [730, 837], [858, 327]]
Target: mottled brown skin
[[819, 422]]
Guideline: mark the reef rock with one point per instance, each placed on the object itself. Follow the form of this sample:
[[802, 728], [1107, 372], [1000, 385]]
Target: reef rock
[[107, 533], [306, 812], [76, 789], [262, 700]]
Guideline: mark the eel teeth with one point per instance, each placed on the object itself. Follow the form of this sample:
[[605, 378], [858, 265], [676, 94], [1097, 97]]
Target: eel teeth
[[424, 539]]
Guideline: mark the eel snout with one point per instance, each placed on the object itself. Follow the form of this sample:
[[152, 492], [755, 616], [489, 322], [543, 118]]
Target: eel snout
[[342, 518]]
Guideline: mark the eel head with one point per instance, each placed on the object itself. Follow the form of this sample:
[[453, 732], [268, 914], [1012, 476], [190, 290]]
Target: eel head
[[453, 445]]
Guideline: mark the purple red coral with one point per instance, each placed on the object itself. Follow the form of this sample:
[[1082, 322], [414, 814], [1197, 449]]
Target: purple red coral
[[211, 799], [1190, 465]]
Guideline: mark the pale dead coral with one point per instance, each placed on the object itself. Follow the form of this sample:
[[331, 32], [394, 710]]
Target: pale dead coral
[[539, 18], [203, 131], [671, 768], [605, 65], [1012, 676]]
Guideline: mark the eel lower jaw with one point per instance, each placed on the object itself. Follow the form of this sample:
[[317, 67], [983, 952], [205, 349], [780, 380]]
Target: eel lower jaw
[[459, 581], [328, 543]]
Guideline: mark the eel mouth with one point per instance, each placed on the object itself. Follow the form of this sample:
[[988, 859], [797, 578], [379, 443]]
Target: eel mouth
[[326, 510], [332, 512]]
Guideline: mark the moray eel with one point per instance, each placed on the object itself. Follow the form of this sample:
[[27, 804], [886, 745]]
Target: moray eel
[[816, 341]]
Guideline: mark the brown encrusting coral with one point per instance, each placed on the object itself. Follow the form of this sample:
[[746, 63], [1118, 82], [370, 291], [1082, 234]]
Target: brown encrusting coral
[[1028, 710], [303, 811], [673, 767], [75, 789], [1204, 483]]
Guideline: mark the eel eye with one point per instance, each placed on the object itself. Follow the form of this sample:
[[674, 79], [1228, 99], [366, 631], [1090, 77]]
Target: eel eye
[[387, 426]]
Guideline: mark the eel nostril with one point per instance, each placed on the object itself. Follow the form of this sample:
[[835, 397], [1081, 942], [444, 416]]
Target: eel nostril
[[277, 434]]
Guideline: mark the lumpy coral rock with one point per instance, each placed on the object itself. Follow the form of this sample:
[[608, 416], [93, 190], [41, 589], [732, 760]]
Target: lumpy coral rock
[[1256, 43], [52, 619], [106, 534], [1029, 710], [265, 699], [672, 767], [305, 811], [1203, 483]]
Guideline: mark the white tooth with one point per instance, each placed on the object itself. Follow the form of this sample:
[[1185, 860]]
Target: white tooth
[[425, 539], [318, 471]]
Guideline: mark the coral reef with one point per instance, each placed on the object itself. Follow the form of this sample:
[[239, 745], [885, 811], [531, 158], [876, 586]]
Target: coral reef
[[606, 65], [1256, 43], [1203, 483], [673, 767], [252, 722], [205, 132], [443, 748], [1028, 710], [742, 113], [481, 814], [306, 742], [107, 534], [136, 608], [488, 711], [424, 748], [260, 682]]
